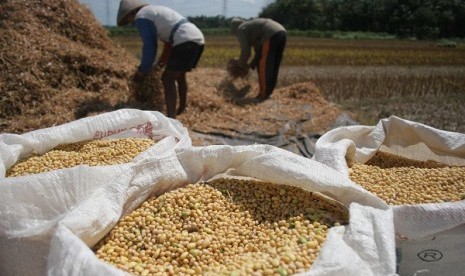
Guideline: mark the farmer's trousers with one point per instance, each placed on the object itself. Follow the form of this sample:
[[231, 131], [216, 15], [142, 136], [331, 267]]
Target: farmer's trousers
[[268, 66]]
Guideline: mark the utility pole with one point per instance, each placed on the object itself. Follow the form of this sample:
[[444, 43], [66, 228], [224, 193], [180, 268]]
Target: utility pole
[[108, 12], [225, 8]]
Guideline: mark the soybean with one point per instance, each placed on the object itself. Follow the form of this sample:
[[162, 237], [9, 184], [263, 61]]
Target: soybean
[[223, 227], [401, 181], [91, 152]]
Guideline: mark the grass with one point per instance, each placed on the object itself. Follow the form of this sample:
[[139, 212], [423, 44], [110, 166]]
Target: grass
[[129, 30], [422, 81]]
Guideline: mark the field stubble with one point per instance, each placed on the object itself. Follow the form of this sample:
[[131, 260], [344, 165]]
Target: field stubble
[[428, 94]]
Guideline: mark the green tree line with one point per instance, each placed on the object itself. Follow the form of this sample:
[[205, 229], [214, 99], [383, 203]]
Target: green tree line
[[403, 18], [423, 19]]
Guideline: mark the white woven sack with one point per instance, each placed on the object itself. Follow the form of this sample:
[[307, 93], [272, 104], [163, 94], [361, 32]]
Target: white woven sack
[[366, 246], [32, 205], [168, 133], [434, 244]]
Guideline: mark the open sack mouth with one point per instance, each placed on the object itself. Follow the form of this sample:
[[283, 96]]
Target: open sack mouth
[[225, 225]]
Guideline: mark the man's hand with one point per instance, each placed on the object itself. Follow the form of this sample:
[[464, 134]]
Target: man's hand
[[254, 62], [138, 76]]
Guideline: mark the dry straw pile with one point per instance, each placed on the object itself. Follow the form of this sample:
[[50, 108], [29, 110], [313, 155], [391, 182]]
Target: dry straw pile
[[235, 70], [217, 104], [56, 63]]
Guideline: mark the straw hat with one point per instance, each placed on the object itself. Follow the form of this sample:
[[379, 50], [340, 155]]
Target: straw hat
[[126, 7], [235, 23]]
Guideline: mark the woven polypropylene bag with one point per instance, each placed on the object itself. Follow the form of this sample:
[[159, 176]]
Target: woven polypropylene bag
[[431, 236], [31, 206], [363, 247]]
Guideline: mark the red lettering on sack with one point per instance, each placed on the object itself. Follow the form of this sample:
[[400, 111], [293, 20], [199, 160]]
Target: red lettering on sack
[[144, 129], [99, 134]]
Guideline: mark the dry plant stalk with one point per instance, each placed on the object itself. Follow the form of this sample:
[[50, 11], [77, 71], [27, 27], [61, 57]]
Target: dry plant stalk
[[223, 227], [211, 112], [235, 70], [150, 90]]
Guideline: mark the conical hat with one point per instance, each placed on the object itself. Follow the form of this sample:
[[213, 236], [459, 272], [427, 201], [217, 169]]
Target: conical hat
[[126, 7], [235, 23]]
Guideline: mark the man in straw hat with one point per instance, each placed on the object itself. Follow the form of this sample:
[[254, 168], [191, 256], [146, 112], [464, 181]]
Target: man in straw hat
[[183, 46], [268, 38]]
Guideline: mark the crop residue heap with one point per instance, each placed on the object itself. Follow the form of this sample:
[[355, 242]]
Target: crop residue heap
[[56, 61]]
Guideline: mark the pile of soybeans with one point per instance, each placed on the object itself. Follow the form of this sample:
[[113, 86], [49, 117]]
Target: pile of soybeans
[[401, 181], [223, 227], [92, 153]]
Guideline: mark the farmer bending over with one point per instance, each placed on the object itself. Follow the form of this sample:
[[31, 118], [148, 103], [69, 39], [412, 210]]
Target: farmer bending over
[[268, 38], [183, 46]]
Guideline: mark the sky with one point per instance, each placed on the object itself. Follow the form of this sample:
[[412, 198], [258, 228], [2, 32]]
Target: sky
[[106, 10]]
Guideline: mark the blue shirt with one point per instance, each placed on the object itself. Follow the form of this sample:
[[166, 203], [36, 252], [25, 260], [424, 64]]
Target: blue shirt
[[148, 34]]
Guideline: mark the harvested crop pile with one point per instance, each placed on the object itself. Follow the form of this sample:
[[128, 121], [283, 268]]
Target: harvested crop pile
[[56, 64], [235, 70], [223, 227], [401, 181], [228, 107]]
